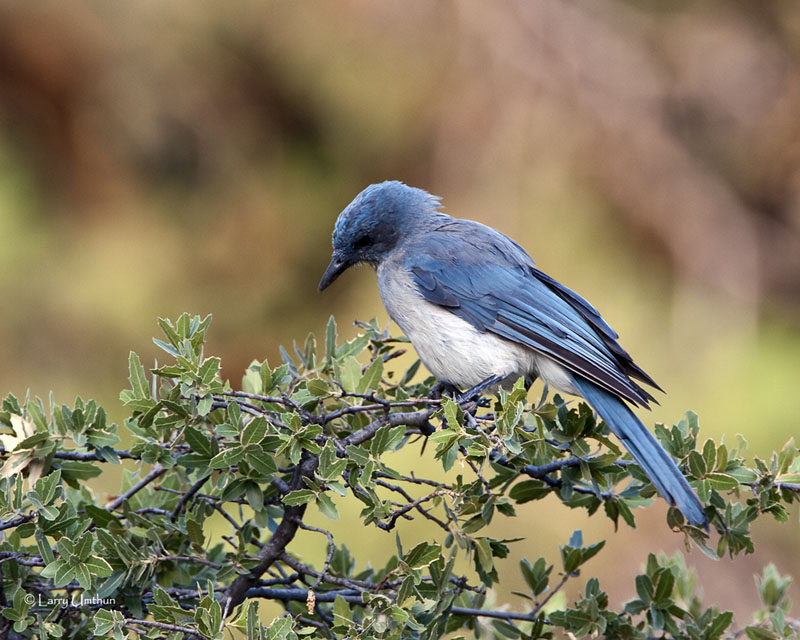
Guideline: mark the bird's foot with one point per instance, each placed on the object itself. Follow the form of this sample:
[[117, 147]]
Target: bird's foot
[[443, 389]]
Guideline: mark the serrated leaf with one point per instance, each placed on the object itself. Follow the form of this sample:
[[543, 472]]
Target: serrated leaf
[[357, 454], [720, 624], [327, 506], [644, 588], [209, 369], [341, 613]]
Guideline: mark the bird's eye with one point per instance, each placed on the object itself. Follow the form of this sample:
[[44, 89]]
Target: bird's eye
[[363, 241]]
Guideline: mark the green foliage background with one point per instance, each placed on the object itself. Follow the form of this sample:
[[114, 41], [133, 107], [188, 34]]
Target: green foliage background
[[314, 432]]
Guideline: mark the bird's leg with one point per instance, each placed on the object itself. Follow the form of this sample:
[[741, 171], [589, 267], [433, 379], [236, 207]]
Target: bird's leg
[[439, 389], [475, 392]]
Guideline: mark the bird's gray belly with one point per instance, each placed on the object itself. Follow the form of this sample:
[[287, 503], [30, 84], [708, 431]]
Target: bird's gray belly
[[451, 348]]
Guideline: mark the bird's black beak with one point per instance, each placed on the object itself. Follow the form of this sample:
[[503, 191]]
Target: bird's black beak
[[336, 268]]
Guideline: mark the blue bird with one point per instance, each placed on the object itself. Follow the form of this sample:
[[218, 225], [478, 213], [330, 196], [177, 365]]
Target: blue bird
[[478, 312]]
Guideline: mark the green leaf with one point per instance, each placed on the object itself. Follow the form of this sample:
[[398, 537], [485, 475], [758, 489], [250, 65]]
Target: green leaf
[[46, 487], [422, 555], [644, 588], [137, 377], [227, 458], [32, 441], [327, 506], [262, 462], [209, 369], [99, 567], [371, 380], [357, 454], [451, 411], [64, 575], [83, 576], [528, 490], [254, 496], [299, 496], [760, 633], [536, 575], [350, 374], [255, 431], [103, 622], [720, 624], [697, 465], [722, 481], [341, 613], [74, 470], [166, 347], [386, 438], [406, 591], [318, 388], [710, 454], [198, 442], [664, 585], [330, 340], [204, 405], [483, 552]]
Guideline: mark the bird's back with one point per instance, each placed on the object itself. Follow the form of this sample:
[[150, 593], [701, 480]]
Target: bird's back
[[485, 278]]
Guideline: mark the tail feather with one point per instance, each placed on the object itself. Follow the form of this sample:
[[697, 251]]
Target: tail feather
[[645, 449]]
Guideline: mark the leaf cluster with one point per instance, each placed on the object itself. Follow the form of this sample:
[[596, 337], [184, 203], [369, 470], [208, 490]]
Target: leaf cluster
[[308, 434]]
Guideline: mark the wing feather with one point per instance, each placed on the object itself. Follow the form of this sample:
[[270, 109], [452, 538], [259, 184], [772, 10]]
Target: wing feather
[[489, 281]]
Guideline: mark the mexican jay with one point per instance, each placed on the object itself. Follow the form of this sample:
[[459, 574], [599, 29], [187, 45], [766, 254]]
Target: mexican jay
[[476, 309]]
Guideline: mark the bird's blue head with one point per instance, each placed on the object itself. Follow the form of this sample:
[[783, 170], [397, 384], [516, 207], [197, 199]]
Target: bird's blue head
[[374, 222]]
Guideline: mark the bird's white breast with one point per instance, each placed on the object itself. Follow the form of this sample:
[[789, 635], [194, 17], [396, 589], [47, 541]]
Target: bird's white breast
[[451, 348]]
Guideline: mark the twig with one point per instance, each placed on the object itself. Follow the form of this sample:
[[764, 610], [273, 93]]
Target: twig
[[331, 550], [186, 497], [157, 471], [10, 524], [190, 559], [406, 508], [284, 534], [425, 513], [354, 597], [324, 577], [160, 625], [555, 590]]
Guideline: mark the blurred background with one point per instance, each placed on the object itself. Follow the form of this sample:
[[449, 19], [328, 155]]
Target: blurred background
[[161, 157]]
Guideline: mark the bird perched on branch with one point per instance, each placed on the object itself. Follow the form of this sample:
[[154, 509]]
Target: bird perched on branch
[[479, 313]]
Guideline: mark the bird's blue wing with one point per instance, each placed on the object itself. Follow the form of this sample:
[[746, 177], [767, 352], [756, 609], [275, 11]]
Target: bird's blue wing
[[488, 280]]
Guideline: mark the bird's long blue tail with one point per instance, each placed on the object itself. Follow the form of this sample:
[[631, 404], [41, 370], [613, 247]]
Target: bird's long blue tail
[[645, 449]]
